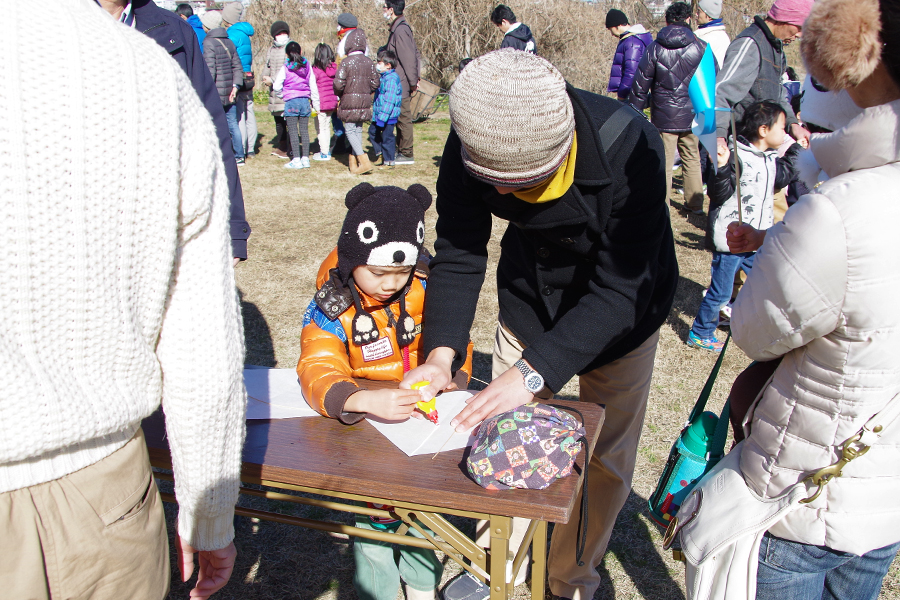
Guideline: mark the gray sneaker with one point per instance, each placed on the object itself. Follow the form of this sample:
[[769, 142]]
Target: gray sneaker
[[403, 160]]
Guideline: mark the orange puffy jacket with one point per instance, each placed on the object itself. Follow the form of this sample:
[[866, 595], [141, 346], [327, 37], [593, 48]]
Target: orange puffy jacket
[[329, 361]]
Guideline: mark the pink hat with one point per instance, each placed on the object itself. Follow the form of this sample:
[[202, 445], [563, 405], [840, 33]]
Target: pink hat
[[793, 12]]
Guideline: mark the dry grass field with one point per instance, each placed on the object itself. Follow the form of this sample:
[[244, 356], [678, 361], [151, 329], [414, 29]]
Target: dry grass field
[[295, 215]]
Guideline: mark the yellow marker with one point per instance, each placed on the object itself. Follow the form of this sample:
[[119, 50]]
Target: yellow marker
[[429, 408]]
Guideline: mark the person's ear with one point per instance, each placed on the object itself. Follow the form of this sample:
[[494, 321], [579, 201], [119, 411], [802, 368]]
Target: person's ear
[[763, 131]]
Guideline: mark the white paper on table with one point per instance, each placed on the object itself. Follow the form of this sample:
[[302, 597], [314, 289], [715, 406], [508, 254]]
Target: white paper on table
[[275, 394], [421, 436]]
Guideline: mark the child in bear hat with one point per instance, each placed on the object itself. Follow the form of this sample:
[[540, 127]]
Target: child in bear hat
[[365, 322], [366, 317]]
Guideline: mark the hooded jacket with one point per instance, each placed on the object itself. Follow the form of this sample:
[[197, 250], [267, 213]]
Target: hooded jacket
[[328, 100], [223, 63], [663, 77], [174, 34], [625, 62], [330, 361], [356, 80], [519, 37], [194, 21], [822, 294], [583, 280], [240, 33]]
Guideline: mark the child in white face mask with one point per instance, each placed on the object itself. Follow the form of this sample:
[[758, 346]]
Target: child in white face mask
[[281, 35], [386, 109]]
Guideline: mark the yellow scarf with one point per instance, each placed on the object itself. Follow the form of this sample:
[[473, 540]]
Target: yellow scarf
[[558, 183]]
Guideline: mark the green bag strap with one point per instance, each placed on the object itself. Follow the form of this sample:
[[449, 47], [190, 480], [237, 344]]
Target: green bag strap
[[717, 448], [700, 406]]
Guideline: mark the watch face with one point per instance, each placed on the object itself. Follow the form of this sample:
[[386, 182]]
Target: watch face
[[534, 382]]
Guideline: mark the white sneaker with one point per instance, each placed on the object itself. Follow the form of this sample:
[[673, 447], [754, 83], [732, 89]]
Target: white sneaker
[[321, 156], [304, 162], [296, 163]]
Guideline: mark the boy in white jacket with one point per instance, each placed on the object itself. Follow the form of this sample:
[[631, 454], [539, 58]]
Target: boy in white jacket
[[761, 172]]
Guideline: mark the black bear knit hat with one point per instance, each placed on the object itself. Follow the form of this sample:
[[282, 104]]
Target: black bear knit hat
[[384, 227]]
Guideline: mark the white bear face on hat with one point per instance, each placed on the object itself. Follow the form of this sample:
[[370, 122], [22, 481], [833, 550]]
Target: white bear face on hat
[[384, 227]]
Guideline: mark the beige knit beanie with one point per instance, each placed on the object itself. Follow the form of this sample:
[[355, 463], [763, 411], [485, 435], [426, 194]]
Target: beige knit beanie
[[513, 116]]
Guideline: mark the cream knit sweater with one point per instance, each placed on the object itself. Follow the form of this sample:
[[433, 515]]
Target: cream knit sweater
[[117, 286]]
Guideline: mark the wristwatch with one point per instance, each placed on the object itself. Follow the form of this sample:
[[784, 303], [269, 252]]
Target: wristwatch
[[533, 380]]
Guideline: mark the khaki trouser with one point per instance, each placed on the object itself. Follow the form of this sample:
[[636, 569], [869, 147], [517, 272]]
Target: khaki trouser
[[689, 148], [622, 387], [95, 534], [405, 128]]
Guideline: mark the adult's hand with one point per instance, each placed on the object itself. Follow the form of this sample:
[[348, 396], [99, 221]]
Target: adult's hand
[[744, 238], [722, 143], [504, 393], [215, 567], [232, 95], [236, 261], [435, 370], [801, 134]]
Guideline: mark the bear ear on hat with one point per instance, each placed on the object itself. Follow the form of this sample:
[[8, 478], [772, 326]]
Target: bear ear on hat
[[420, 193], [358, 194]]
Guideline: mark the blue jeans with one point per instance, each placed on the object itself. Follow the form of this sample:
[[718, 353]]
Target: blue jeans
[[231, 115], [724, 267], [794, 571], [383, 141]]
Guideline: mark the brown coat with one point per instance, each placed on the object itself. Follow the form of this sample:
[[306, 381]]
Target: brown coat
[[356, 81], [402, 43]]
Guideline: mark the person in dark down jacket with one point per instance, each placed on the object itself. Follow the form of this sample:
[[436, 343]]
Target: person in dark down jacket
[[355, 82], [586, 274], [662, 79], [176, 36], [633, 40], [515, 35], [226, 70]]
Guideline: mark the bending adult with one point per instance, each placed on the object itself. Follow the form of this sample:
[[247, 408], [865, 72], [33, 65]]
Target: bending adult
[[120, 295], [755, 63], [586, 273], [821, 298]]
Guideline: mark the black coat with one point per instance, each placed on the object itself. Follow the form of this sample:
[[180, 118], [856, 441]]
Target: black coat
[[663, 77], [582, 280], [520, 38], [180, 41]]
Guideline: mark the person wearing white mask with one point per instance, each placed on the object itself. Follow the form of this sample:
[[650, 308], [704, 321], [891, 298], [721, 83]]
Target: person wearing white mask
[[281, 35]]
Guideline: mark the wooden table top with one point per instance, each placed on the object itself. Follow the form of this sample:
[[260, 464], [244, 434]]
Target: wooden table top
[[325, 454]]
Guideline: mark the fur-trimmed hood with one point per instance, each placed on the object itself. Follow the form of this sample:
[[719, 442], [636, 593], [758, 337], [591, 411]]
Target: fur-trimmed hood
[[841, 45]]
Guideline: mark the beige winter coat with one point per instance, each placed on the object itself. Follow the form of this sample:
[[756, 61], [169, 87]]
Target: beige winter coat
[[825, 294], [274, 62]]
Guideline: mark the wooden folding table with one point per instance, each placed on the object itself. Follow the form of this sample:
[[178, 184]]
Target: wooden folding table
[[356, 464]]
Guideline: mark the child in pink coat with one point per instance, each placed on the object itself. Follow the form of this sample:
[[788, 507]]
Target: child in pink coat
[[324, 69]]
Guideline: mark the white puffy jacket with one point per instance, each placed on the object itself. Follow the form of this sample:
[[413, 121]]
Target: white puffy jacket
[[824, 294]]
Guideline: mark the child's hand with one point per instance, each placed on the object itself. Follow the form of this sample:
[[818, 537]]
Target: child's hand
[[722, 155], [744, 238], [391, 405]]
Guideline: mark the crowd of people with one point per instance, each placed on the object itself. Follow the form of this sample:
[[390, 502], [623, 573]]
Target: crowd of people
[[121, 292]]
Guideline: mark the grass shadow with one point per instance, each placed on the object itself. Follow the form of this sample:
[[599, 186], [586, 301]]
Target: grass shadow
[[691, 240], [687, 300], [257, 337], [639, 555]]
